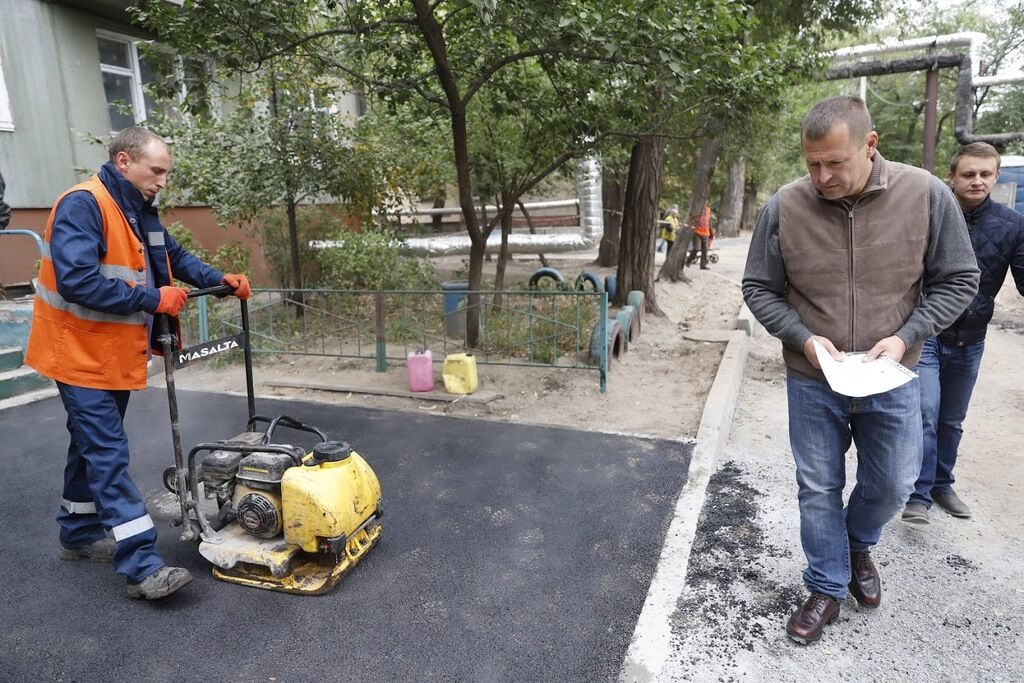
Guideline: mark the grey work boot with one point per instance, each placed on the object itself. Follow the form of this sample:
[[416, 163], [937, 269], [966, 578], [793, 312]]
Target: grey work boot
[[160, 583], [915, 513], [951, 503], [97, 551]]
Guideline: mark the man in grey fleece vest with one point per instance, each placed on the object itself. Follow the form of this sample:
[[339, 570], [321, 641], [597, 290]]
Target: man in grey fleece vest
[[862, 255]]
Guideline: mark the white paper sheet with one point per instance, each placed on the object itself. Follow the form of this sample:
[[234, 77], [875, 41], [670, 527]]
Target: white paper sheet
[[855, 378]]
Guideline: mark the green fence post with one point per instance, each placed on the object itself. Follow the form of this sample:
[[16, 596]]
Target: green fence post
[[603, 338], [382, 347]]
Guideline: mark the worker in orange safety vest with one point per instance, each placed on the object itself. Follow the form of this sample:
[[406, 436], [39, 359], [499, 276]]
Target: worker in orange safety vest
[[105, 272], [701, 237]]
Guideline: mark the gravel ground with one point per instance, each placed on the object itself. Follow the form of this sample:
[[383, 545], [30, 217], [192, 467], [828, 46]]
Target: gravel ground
[[953, 596]]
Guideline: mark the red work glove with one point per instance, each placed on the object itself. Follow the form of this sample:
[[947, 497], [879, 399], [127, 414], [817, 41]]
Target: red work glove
[[240, 283], [172, 300]]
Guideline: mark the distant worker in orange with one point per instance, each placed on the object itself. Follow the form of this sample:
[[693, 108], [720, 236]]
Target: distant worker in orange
[[106, 271], [701, 237]]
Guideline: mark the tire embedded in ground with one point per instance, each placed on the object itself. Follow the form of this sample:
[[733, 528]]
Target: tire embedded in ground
[[630, 323], [614, 338], [611, 285], [636, 299], [546, 274], [584, 278]]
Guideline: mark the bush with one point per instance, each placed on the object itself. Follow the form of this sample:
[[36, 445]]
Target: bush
[[312, 223], [370, 260]]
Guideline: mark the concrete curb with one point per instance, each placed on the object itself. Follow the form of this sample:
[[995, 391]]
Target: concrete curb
[[651, 644]]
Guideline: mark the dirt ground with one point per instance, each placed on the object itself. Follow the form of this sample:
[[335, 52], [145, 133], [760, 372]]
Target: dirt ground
[[657, 388]]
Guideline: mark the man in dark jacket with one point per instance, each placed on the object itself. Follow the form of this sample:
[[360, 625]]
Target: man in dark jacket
[[841, 257], [5, 211], [950, 361]]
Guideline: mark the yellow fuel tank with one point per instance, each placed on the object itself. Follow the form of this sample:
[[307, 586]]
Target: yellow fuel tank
[[327, 498]]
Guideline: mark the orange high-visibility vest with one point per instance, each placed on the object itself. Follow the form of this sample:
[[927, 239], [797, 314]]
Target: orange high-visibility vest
[[81, 346], [703, 227]]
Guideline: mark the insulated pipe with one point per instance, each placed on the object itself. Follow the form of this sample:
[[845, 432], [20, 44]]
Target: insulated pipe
[[972, 39], [998, 79], [460, 244], [967, 82], [446, 211]]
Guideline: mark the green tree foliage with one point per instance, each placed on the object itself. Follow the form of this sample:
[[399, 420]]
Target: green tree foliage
[[463, 60]]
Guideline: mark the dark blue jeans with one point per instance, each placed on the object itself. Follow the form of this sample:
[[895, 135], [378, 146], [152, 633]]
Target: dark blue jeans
[[886, 429], [948, 374]]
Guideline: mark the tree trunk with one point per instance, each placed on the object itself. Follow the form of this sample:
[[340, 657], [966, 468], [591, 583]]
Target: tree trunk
[[503, 255], [672, 268], [433, 36], [533, 230], [639, 221], [612, 196], [293, 243], [731, 206], [749, 215]]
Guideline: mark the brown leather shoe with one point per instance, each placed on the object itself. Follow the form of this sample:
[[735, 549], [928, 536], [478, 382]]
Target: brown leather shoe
[[865, 585], [808, 622]]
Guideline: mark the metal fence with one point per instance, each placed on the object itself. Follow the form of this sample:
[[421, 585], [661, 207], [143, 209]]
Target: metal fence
[[536, 328]]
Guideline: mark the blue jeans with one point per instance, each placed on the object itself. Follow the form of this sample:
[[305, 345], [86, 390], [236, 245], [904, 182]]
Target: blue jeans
[[948, 374], [887, 431]]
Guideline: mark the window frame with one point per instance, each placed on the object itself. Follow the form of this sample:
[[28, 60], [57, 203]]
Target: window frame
[[133, 71]]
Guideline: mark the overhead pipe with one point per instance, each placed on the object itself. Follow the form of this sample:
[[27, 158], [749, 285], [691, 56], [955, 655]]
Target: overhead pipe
[[967, 82], [453, 245], [451, 210]]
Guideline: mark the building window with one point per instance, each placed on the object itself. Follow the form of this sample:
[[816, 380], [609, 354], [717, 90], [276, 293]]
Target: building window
[[6, 115], [126, 73]]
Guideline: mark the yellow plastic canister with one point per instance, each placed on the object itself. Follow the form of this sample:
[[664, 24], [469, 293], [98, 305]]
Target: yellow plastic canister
[[459, 373]]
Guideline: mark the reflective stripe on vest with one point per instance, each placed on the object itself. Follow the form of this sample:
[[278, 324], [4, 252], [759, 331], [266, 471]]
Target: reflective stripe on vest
[[57, 301], [78, 508], [132, 528], [111, 272]]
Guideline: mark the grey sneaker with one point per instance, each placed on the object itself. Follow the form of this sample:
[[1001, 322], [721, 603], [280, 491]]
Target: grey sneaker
[[97, 551], [951, 503], [160, 583], [915, 513]]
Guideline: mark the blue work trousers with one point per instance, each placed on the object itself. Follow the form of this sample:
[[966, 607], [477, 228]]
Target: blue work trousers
[[99, 495], [822, 423], [948, 373]]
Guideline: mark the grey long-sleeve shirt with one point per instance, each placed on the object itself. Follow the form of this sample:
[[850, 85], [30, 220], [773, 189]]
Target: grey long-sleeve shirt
[[950, 277]]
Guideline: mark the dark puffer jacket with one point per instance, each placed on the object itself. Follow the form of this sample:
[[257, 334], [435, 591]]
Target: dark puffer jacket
[[997, 234]]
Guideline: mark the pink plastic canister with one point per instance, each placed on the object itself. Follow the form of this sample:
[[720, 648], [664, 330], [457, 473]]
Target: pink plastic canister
[[421, 371]]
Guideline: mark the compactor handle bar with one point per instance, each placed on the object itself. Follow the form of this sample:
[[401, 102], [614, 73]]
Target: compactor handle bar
[[218, 290]]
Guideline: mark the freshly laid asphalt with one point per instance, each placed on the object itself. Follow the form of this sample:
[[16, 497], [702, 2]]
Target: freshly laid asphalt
[[509, 553]]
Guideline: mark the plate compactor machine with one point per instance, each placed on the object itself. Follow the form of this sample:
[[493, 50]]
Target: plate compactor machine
[[285, 519]]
